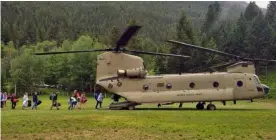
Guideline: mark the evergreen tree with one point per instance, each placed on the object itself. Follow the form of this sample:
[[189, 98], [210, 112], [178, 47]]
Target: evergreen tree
[[114, 36], [271, 14], [251, 11], [185, 34], [212, 16]]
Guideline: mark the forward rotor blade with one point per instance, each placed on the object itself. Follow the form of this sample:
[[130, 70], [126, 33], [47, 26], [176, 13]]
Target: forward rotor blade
[[125, 37], [153, 53], [95, 50], [204, 49]]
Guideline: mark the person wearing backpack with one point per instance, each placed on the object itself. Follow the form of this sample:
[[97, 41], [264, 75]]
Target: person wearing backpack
[[54, 98], [14, 100], [35, 100]]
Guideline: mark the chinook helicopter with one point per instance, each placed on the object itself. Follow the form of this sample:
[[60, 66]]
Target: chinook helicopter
[[126, 76]]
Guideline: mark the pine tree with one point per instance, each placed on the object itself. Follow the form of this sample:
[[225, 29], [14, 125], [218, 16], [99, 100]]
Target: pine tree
[[185, 34], [212, 15], [251, 11], [114, 36], [271, 13]]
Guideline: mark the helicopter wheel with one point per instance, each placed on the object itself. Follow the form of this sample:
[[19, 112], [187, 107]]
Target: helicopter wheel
[[200, 106], [211, 107]]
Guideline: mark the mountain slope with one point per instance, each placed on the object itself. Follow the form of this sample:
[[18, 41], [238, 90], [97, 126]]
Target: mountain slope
[[33, 21]]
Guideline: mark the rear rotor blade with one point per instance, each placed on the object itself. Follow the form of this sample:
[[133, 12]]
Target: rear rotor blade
[[203, 49], [50, 53], [223, 65], [125, 37], [219, 52], [153, 53], [262, 60]]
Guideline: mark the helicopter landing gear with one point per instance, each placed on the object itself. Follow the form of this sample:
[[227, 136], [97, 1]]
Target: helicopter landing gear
[[180, 105], [211, 107], [159, 105], [131, 107], [200, 105]]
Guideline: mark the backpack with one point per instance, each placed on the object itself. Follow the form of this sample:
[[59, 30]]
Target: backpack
[[39, 102]]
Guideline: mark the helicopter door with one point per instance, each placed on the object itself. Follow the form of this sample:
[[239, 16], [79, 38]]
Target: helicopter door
[[240, 88]]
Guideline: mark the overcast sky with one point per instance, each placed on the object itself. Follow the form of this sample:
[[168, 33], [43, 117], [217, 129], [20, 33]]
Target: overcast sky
[[262, 4]]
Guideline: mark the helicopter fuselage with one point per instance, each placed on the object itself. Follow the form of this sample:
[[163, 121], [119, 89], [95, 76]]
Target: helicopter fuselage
[[219, 86], [116, 73]]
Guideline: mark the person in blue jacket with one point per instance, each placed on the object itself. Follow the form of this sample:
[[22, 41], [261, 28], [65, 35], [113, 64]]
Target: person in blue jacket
[[35, 100]]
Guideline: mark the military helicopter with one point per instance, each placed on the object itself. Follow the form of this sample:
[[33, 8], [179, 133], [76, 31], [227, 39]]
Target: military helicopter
[[126, 76]]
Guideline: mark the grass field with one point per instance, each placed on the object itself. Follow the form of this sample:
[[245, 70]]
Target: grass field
[[244, 120]]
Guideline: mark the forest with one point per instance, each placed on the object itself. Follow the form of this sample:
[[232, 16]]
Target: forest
[[28, 27]]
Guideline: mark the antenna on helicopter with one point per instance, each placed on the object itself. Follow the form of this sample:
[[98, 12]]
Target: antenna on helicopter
[[120, 46]]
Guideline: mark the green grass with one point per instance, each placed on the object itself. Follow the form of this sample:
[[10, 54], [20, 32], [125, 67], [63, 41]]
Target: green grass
[[244, 120]]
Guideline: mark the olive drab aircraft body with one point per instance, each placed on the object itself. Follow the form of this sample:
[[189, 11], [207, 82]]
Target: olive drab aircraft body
[[125, 76]]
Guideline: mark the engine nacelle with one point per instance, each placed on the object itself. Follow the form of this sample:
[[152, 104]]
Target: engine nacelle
[[132, 73]]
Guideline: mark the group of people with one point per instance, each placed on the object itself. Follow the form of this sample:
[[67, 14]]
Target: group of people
[[76, 100], [27, 103]]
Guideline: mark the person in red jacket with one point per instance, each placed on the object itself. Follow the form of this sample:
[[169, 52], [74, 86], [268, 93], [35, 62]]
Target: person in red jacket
[[14, 100]]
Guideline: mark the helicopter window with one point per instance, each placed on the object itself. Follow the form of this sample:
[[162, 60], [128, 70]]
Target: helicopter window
[[160, 85], [239, 83], [169, 86], [145, 87], [192, 85], [215, 84]]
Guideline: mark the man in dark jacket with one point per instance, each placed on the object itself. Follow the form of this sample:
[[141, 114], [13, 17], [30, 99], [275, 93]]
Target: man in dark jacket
[[35, 100], [54, 98]]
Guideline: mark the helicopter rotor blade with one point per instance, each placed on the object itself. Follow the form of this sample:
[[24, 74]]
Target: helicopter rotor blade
[[223, 65], [126, 36], [154, 53], [203, 49], [237, 57], [95, 50]]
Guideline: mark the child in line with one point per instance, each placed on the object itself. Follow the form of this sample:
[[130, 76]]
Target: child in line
[[83, 100], [25, 101], [72, 102], [99, 100]]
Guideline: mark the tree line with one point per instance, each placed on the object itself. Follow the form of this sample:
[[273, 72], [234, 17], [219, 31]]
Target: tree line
[[253, 34]]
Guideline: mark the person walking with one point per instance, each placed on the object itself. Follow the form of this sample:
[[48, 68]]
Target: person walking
[[72, 102], [5, 96], [2, 100], [99, 100], [25, 101], [35, 100], [14, 100], [54, 98]]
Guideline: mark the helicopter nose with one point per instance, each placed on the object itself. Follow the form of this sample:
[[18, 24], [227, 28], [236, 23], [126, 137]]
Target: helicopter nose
[[266, 89]]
